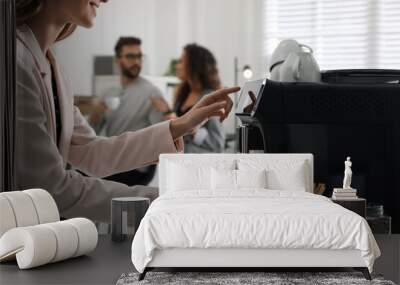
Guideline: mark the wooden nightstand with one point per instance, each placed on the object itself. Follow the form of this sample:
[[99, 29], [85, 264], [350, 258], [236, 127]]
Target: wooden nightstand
[[358, 205]]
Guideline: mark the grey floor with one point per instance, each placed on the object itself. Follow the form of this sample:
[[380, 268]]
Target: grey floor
[[110, 260], [389, 262]]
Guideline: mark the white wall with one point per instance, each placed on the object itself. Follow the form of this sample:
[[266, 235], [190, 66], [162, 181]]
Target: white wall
[[228, 28]]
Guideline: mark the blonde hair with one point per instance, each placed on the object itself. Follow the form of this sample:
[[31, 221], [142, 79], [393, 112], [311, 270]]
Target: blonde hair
[[27, 9]]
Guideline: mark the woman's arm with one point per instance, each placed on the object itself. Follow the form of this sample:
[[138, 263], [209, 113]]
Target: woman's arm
[[216, 104], [40, 165], [101, 156]]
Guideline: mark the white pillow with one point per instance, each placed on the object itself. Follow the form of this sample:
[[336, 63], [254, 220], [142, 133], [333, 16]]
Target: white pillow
[[289, 175], [193, 172], [251, 179], [292, 179], [183, 177], [225, 179]]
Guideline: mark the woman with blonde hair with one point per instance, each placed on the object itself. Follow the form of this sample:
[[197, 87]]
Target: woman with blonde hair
[[53, 138]]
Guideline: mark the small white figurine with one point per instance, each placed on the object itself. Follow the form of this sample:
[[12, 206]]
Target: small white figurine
[[347, 174]]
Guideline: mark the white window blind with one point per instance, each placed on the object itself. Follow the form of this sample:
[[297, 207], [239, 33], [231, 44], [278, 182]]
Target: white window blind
[[342, 33]]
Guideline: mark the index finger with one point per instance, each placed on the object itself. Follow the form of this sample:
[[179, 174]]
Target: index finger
[[252, 97], [215, 96]]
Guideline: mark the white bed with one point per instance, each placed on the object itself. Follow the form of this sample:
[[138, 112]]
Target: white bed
[[196, 226]]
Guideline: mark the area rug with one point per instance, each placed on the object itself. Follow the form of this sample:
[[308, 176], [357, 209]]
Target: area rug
[[244, 278]]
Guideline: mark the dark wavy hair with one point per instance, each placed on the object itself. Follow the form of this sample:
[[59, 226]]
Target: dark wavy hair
[[27, 9], [201, 68]]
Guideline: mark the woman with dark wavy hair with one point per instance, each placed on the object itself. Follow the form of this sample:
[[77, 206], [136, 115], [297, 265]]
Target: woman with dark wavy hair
[[197, 68], [53, 138]]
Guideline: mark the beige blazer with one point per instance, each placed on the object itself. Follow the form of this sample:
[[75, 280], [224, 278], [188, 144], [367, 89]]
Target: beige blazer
[[41, 163]]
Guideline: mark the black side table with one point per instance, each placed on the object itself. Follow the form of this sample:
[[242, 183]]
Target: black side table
[[357, 205], [380, 225], [126, 214]]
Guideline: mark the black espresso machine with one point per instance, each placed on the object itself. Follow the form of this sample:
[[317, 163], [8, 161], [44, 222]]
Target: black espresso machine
[[351, 113]]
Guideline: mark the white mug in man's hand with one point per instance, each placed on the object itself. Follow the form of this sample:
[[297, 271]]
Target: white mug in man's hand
[[112, 103]]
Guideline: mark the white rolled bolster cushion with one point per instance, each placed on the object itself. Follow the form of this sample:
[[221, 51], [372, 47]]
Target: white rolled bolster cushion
[[26, 208], [7, 218], [37, 245], [31, 231], [45, 205], [23, 209]]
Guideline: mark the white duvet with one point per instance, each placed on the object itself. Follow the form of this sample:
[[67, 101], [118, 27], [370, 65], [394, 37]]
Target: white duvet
[[253, 218]]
